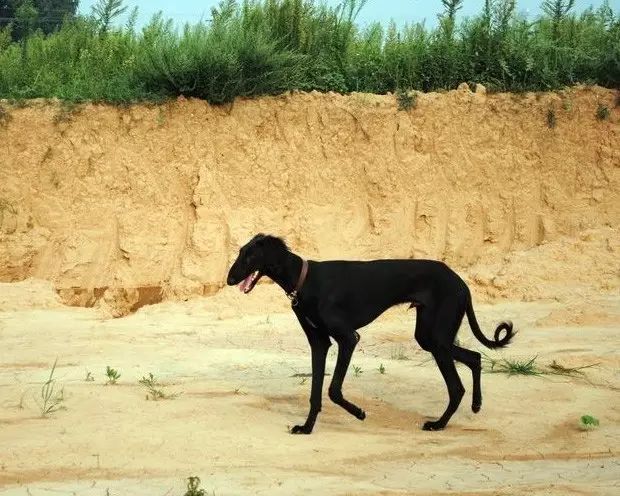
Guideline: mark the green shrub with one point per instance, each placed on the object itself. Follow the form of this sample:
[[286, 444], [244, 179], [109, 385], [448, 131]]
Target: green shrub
[[219, 63], [602, 112], [406, 100], [259, 47], [588, 422]]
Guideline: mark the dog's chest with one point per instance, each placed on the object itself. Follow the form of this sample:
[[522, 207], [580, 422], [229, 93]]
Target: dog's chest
[[310, 322], [310, 315]]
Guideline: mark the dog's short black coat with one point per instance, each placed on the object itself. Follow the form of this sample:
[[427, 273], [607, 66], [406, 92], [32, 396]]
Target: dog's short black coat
[[339, 297]]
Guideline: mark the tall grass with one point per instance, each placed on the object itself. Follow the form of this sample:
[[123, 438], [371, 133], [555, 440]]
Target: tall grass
[[258, 47]]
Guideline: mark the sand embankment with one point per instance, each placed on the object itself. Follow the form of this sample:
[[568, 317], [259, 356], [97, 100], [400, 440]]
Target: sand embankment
[[130, 205]]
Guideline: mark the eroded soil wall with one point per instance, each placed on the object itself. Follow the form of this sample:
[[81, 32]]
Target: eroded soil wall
[[148, 202]]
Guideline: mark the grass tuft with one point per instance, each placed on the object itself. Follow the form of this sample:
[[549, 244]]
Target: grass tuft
[[602, 112], [510, 366], [5, 117], [398, 353], [551, 119], [51, 398], [155, 390], [113, 375], [193, 487], [406, 100], [588, 422]]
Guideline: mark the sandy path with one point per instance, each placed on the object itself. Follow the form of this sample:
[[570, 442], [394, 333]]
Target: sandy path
[[238, 395]]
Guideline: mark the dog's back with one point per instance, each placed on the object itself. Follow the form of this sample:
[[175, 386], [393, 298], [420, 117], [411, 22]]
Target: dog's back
[[366, 289]]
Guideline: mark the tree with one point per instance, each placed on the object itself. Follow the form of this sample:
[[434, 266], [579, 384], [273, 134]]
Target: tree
[[557, 10], [105, 11], [27, 15], [447, 18]]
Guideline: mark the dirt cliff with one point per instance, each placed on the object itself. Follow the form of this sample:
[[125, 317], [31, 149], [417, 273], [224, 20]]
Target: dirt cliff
[[126, 206]]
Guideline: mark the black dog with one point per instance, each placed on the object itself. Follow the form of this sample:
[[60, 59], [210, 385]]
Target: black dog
[[335, 298]]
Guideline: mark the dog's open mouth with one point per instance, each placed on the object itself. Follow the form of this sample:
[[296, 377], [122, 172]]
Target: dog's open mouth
[[249, 282]]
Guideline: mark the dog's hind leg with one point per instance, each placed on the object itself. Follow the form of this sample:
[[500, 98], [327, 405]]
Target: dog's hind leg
[[473, 361], [447, 322], [346, 344], [445, 362]]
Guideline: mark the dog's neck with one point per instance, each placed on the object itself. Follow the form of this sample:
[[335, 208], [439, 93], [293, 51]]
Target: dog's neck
[[286, 273]]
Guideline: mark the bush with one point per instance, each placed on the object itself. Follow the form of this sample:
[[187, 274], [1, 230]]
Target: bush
[[259, 47], [73, 64], [218, 63]]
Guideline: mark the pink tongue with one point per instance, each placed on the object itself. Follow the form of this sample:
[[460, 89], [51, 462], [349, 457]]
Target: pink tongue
[[243, 285]]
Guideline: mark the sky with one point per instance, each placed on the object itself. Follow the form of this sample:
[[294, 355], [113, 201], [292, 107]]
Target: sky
[[401, 11]]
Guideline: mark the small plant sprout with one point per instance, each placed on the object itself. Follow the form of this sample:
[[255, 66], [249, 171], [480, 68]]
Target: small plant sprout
[[588, 422], [406, 99], [381, 369], [551, 119], [112, 375], [357, 370], [193, 487], [154, 391], [5, 117], [602, 112], [398, 353], [51, 399], [89, 377]]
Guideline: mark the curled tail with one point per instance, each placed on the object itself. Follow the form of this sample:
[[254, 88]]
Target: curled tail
[[498, 342]]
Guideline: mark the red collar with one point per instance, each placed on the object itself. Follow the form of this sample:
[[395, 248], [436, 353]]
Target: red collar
[[300, 282]]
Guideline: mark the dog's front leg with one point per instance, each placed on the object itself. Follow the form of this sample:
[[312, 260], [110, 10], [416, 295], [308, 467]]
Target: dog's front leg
[[319, 344]]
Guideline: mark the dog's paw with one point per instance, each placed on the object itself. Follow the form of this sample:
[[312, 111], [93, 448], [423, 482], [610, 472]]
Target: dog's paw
[[361, 414], [476, 402], [432, 426], [301, 429]]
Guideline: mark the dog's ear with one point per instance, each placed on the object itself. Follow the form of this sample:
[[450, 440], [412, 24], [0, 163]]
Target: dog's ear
[[256, 239], [273, 244], [253, 245], [270, 249]]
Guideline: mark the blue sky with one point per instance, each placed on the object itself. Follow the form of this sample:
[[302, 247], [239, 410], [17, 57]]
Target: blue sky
[[375, 10]]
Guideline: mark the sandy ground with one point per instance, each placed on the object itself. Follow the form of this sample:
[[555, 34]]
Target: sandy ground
[[120, 207], [235, 376]]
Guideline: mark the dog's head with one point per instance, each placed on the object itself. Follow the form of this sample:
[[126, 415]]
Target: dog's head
[[259, 256]]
